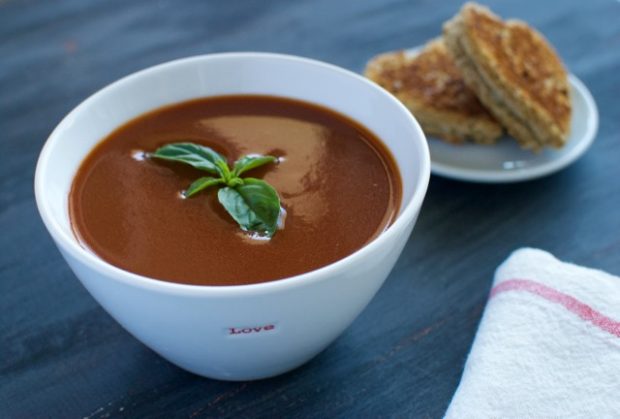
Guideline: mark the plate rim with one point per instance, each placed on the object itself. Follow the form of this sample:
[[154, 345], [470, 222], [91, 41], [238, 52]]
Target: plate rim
[[529, 173]]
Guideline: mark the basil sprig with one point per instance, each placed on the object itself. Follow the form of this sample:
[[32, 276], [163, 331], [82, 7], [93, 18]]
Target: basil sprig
[[252, 203]]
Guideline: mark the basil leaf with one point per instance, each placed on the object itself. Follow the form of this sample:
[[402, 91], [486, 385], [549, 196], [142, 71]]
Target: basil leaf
[[251, 161], [198, 156], [255, 205], [200, 184]]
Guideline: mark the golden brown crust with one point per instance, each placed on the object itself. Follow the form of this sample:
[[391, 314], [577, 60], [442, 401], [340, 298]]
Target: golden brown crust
[[431, 86], [520, 74]]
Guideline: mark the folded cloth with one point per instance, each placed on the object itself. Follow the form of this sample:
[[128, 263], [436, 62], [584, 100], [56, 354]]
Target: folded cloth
[[548, 344]]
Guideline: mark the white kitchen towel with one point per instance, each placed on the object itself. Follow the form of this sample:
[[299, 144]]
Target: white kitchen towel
[[548, 344]]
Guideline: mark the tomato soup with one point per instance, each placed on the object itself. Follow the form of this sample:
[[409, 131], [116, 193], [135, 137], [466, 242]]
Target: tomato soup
[[338, 185]]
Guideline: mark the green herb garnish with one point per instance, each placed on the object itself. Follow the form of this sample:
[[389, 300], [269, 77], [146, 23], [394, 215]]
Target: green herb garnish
[[252, 203]]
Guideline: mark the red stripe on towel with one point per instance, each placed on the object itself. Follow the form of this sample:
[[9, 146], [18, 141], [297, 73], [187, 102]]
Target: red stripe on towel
[[570, 303]]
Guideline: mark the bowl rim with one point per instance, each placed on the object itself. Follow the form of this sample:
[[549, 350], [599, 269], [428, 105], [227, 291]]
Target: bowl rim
[[70, 244]]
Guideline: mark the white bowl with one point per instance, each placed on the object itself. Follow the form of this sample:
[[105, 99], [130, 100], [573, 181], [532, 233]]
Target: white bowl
[[248, 331]]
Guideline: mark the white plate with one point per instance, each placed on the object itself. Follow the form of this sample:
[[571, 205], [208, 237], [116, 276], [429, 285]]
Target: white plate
[[505, 161]]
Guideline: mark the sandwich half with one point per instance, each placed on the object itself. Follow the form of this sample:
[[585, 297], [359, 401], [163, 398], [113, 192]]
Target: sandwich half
[[515, 73], [430, 85]]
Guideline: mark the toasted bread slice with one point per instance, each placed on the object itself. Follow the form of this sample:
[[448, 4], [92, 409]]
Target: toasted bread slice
[[431, 86], [515, 73]]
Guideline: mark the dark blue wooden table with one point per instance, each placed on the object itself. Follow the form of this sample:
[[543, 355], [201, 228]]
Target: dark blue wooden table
[[63, 356]]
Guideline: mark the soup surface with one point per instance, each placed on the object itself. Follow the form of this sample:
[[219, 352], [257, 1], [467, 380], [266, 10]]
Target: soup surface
[[337, 182]]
